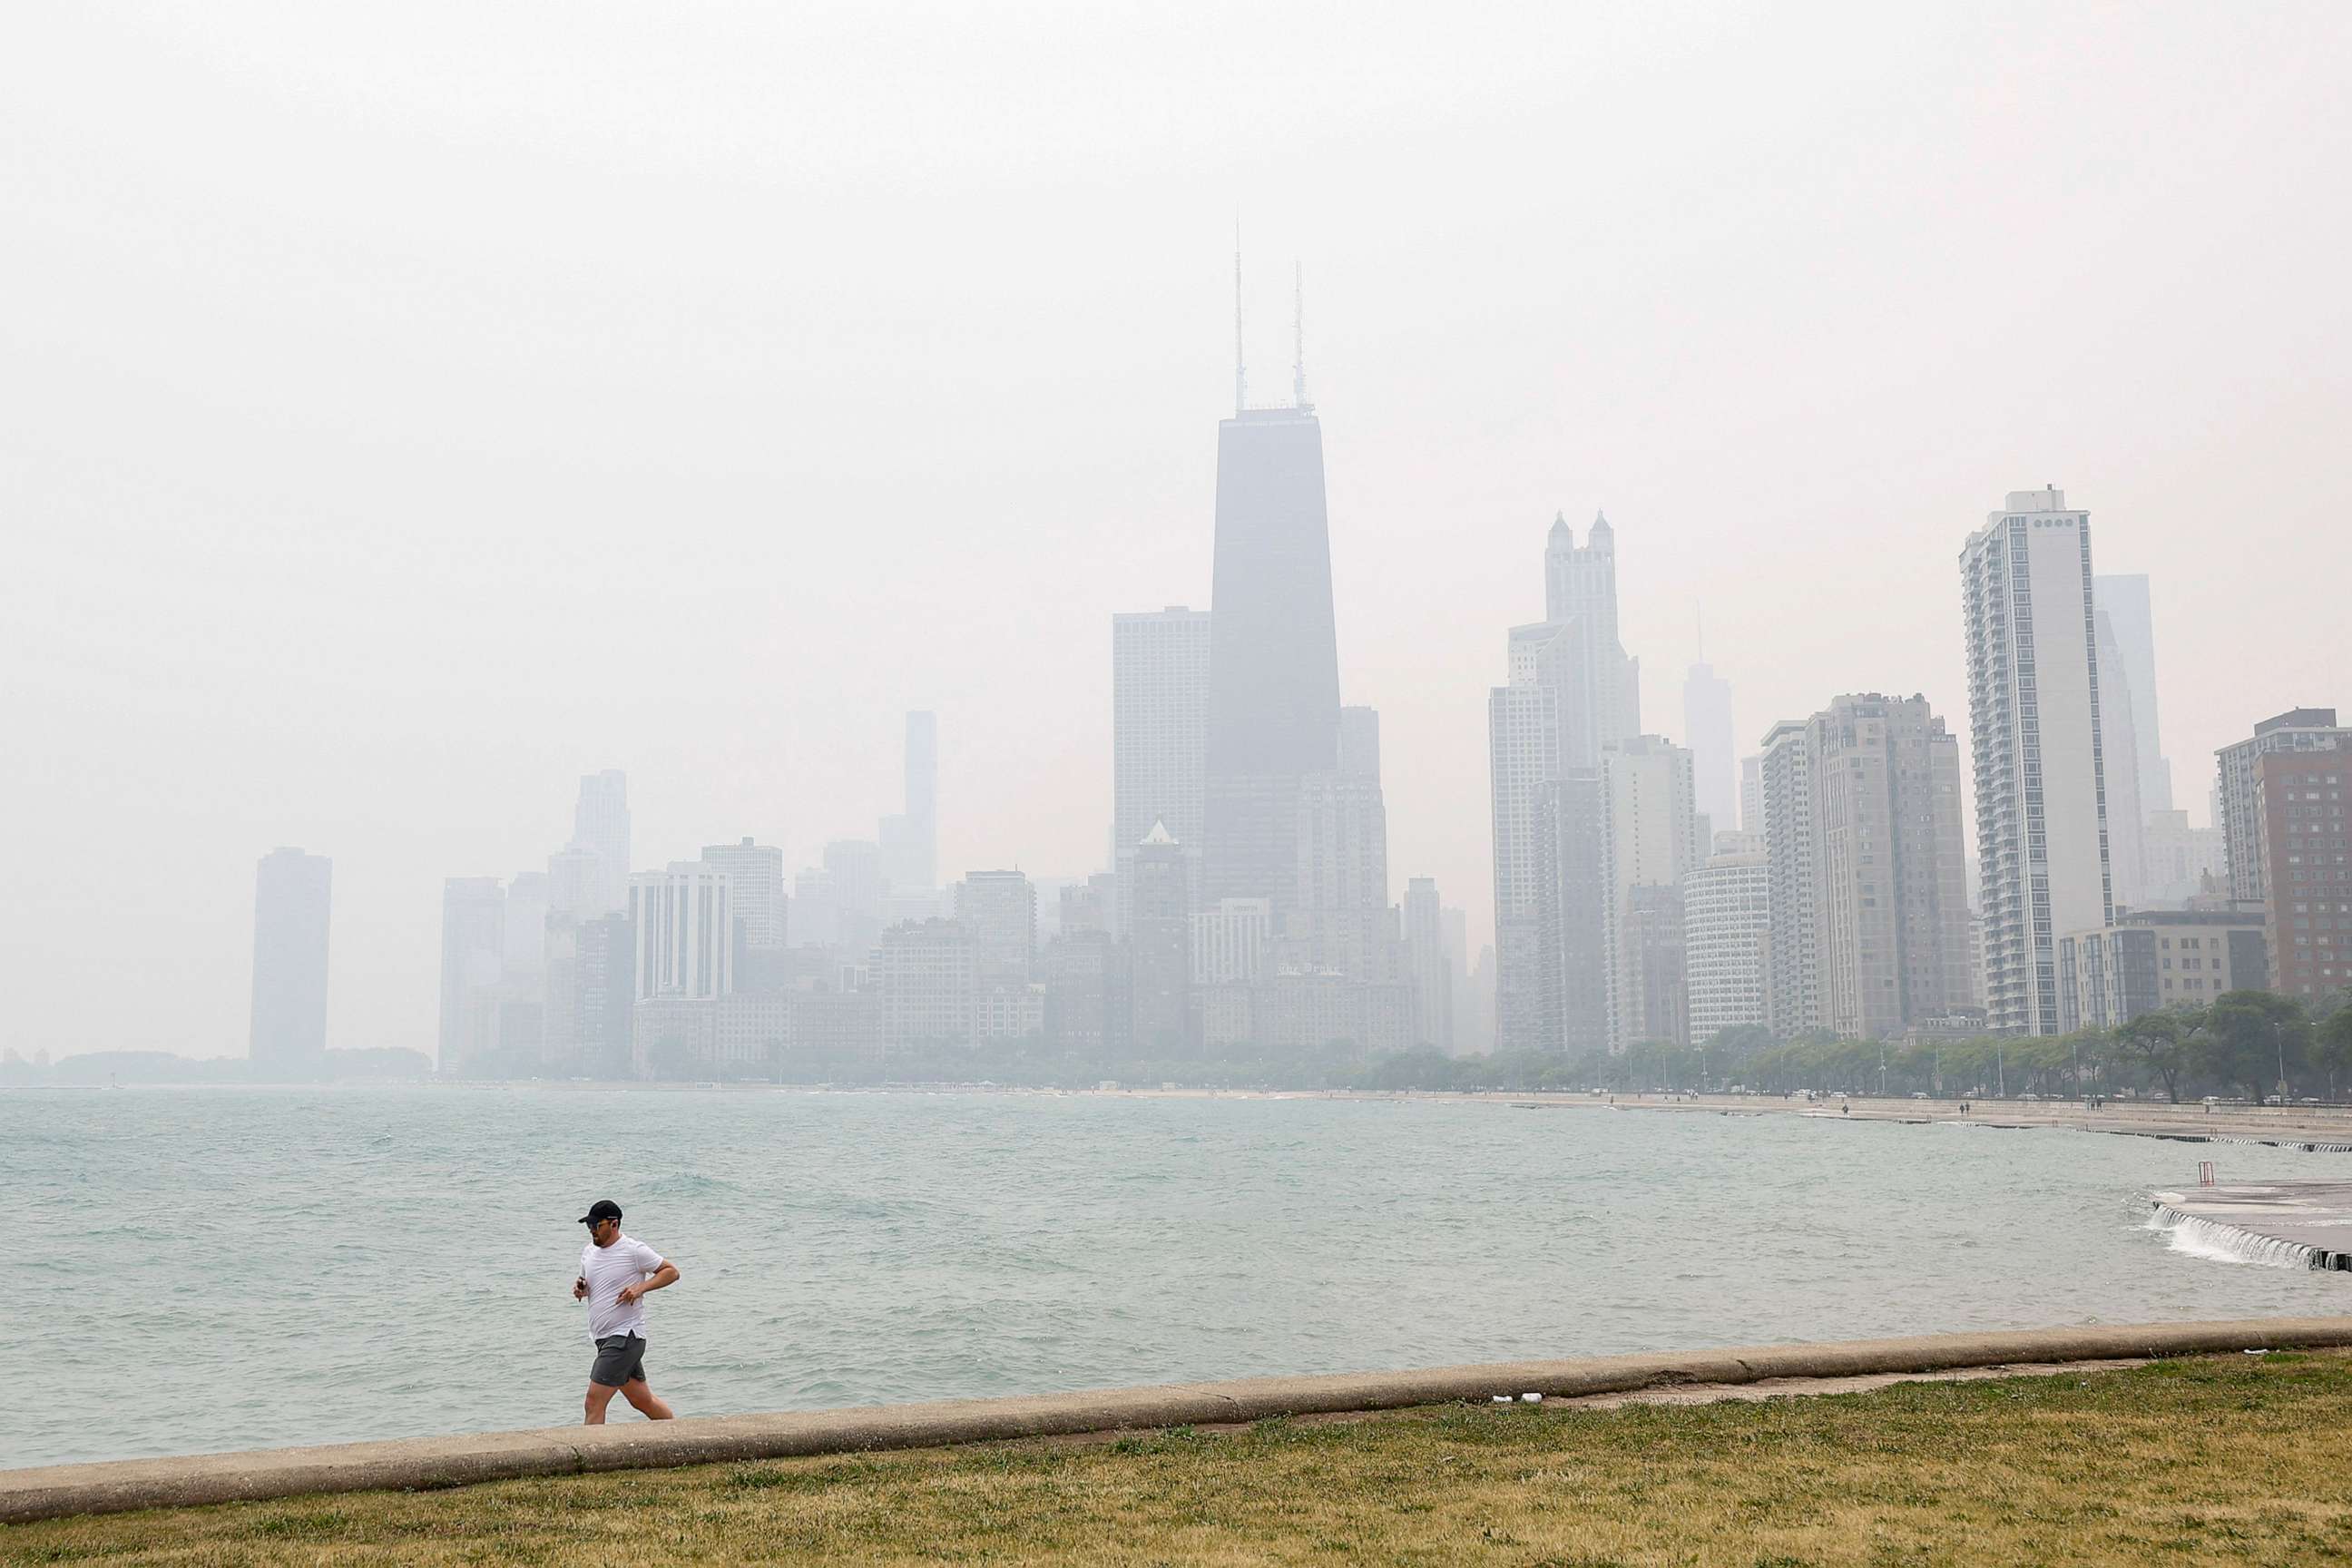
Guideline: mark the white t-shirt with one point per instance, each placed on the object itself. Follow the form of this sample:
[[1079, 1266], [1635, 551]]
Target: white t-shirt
[[606, 1270]]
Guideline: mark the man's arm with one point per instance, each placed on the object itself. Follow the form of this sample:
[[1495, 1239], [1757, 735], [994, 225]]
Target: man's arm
[[665, 1275]]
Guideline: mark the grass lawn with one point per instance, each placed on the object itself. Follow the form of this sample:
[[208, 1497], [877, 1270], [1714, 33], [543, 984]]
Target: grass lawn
[[2242, 1459]]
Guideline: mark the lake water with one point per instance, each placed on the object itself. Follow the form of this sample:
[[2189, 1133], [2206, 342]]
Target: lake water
[[200, 1269]]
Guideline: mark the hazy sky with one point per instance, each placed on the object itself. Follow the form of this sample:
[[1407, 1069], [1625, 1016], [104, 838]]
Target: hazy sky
[[406, 409]]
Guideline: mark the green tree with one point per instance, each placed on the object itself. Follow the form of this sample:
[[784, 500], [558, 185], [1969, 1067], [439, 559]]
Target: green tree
[[2152, 1043], [2257, 1039], [2332, 1048]]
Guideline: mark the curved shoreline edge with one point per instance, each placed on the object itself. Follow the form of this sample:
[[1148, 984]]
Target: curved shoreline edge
[[419, 1463]]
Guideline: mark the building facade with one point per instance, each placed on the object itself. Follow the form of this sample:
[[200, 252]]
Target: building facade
[[1727, 930], [924, 971], [2159, 958], [2033, 719], [1274, 665], [1792, 981], [1890, 909], [2299, 818], [684, 920], [1429, 964], [1159, 728], [1647, 842], [2237, 793], [998, 911]]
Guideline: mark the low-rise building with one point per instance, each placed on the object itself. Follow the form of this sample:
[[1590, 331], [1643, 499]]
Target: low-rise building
[[2150, 959]]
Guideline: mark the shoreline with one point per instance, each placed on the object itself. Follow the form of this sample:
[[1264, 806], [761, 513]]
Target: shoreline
[[419, 1463], [2325, 1129]]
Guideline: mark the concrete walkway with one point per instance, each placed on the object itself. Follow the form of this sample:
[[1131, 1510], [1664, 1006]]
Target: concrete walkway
[[419, 1462]]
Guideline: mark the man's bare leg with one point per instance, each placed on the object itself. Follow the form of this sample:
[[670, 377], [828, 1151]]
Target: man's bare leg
[[640, 1393], [600, 1394]]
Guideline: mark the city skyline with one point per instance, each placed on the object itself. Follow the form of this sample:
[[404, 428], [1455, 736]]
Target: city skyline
[[387, 618]]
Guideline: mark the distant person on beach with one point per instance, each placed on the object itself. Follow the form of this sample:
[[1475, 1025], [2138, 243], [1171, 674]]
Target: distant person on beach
[[615, 1272]]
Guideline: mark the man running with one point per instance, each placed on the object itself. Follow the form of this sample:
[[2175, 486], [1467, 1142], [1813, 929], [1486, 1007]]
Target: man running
[[615, 1272]]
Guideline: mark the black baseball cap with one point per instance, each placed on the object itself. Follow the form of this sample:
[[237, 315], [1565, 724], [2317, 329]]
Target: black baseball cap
[[602, 1208]]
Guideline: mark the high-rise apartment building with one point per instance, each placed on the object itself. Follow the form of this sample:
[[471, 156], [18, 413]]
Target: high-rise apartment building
[[292, 896], [2033, 721], [683, 918], [1648, 846], [1890, 909], [755, 875], [1159, 948], [1159, 719], [1572, 694], [1274, 667], [1751, 795], [473, 962], [924, 970], [1727, 925], [1793, 980], [998, 912], [2180, 859], [2305, 848], [1523, 740], [1708, 730], [1229, 942], [2237, 795], [1340, 919], [1429, 964], [600, 826]]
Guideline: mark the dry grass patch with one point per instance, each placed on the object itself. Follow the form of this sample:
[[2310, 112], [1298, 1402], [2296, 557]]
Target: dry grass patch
[[2239, 1460]]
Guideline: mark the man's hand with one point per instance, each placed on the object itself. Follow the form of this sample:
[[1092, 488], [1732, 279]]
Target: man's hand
[[629, 1293], [580, 1288]]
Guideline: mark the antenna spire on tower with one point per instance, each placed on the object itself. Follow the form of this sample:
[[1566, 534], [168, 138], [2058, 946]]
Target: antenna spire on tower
[[1298, 337], [1241, 378]]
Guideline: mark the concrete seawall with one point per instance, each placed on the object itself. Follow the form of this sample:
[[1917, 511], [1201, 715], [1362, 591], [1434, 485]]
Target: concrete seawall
[[424, 1462]]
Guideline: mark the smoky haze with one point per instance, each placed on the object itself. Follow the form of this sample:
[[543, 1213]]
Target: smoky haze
[[409, 411]]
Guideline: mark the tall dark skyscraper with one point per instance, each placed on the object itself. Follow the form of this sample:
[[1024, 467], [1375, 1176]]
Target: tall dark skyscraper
[[1274, 658]]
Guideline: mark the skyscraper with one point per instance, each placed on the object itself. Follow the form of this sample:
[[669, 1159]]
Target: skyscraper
[[2118, 748], [599, 824], [290, 899], [1648, 845], [1274, 664], [1158, 717], [1727, 919], [1161, 955], [684, 917], [2124, 600], [2306, 871], [2033, 722], [998, 911], [1572, 694], [755, 874], [909, 842], [473, 960], [1707, 728], [1890, 909], [1793, 983], [1341, 921], [1431, 965], [2237, 794], [1580, 593]]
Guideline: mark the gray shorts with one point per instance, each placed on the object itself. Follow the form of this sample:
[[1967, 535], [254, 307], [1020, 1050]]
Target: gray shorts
[[620, 1358]]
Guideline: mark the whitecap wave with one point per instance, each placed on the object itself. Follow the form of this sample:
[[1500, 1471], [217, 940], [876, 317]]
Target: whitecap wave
[[2194, 1237]]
